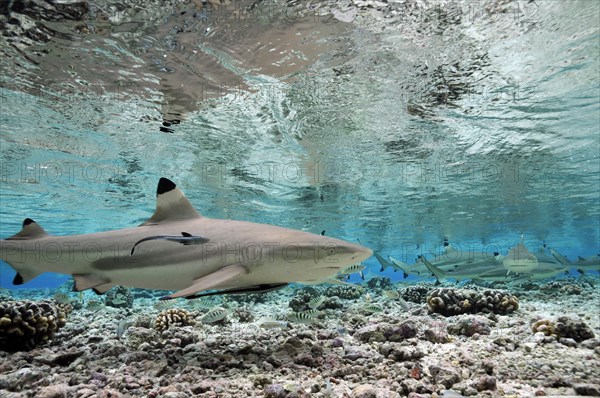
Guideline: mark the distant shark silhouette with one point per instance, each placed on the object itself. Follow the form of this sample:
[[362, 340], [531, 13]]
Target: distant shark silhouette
[[178, 249]]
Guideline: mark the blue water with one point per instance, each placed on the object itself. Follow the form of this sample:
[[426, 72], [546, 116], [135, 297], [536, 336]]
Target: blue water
[[398, 135]]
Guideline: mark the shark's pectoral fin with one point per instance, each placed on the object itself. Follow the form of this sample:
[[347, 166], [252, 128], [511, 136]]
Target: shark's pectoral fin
[[242, 290], [171, 204], [209, 281], [103, 288], [330, 280], [89, 281]]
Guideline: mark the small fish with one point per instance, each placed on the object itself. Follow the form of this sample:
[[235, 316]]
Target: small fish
[[316, 302], [313, 312], [62, 298], [304, 317], [391, 294], [451, 394], [271, 324], [214, 315], [403, 304], [122, 327], [200, 304], [94, 305], [354, 268], [372, 308], [163, 304]]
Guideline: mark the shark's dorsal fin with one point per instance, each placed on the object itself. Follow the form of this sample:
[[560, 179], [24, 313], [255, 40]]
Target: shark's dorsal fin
[[31, 230], [171, 204]]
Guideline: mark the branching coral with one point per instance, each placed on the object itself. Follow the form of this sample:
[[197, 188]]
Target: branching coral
[[173, 317], [344, 291], [26, 324], [459, 301]]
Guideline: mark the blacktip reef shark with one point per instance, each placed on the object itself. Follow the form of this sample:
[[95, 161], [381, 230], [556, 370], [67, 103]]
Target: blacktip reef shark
[[489, 269], [582, 265], [495, 272], [450, 259], [179, 249], [519, 259]]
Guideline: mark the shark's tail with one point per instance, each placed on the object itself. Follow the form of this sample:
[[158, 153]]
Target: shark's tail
[[561, 259], [403, 266], [439, 274], [11, 252], [384, 263]]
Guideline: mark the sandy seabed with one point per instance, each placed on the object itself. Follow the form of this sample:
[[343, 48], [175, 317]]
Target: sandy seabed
[[345, 352]]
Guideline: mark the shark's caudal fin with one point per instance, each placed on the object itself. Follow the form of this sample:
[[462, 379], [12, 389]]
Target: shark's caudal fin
[[403, 266], [171, 204], [439, 274], [31, 230], [561, 259], [383, 262]]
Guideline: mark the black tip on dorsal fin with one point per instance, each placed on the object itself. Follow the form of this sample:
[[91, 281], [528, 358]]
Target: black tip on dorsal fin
[[323, 233], [165, 185], [28, 221], [187, 235], [18, 279]]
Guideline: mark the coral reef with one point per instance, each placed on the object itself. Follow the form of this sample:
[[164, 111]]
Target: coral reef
[[119, 297], [386, 332], [449, 301], [379, 282], [26, 324], [344, 291], [415, 293], [394, 353], [65, 308], [564, 328], [469, 326], [173, 317], [572, 328], [243, 314], [300, 302], [545, 326]]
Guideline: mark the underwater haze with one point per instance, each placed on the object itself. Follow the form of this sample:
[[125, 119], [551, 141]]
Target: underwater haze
[[398, 127], [407, 126]]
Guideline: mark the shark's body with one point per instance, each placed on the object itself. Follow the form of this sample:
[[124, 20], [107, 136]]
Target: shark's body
[[450, 260], [484, 269], [582, 265], [496, 272], [182, 251]]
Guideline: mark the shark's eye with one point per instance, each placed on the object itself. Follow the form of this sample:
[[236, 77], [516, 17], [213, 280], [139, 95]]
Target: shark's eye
[[331, 251]]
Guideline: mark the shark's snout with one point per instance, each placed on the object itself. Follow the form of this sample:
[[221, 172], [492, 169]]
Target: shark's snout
[[360, 253]]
